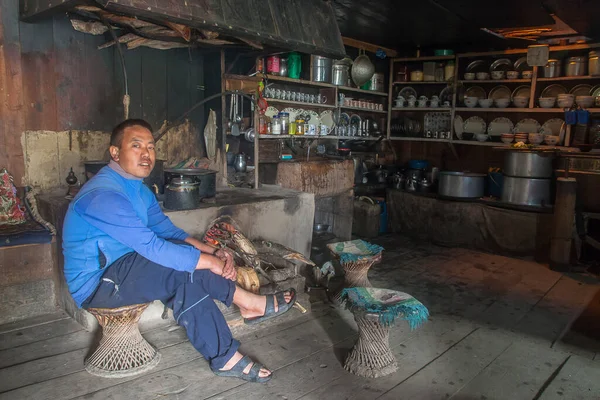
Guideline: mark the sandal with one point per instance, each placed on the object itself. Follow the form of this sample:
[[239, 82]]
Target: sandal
[[270, 307], [237, 371]]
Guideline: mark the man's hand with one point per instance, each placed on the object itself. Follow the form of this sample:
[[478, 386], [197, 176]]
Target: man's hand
[[229, 271]]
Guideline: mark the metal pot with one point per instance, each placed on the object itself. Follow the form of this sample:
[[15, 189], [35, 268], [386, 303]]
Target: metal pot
[[206, 179], [462, 185], [526, 191], [528, 164], [552, 69], [321, 69], [340, 73], [182, 194], [594, 63], [576, 66], [240, 163]]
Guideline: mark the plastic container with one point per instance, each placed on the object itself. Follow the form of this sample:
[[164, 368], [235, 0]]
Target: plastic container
[[276, 125], [294, 64]]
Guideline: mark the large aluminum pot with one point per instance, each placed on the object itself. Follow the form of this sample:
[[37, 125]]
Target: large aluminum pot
[[461, 185], [552, 69], [527, 191], [340, 74], [594, 63], [576, 66], [321, 69], [528, 164]]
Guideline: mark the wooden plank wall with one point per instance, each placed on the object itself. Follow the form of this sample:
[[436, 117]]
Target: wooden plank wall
[[54, 78]]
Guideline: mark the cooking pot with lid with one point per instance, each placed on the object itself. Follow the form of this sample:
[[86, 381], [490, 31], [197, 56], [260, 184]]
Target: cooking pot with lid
[[461, 185], [182, 193]]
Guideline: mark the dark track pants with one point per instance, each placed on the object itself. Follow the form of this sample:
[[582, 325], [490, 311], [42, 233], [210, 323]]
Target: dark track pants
[[133, 279]]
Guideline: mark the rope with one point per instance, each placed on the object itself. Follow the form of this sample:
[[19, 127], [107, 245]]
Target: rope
[[126, 103]]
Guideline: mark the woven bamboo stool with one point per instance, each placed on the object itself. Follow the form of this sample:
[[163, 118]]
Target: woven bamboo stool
[[371, 356], [355, 272], [122, 350]]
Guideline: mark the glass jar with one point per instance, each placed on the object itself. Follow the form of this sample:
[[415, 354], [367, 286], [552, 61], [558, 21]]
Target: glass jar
[[449, 71], [439, 72], [285, 122], [299, 126], [263, 124], [276, 125], [292, 128]]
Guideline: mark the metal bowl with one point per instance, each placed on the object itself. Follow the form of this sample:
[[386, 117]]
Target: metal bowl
[[362, 70]]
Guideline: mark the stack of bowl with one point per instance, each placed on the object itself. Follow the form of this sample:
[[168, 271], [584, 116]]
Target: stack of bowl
[[521, 102], [502, 103], [485, 103], [521, 137], [584, 101], [512, 74], [565, 100], [547, 102], [536, 138], [551, 140], [507, 137], [471, 101]]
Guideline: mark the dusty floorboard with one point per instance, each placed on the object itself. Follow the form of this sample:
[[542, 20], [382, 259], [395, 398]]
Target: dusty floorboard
[[499, 329]]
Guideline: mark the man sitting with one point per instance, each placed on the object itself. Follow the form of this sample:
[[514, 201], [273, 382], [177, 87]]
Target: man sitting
[[121, 249]]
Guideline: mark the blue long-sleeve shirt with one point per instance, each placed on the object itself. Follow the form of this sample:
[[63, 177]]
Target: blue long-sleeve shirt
[[112, 215]]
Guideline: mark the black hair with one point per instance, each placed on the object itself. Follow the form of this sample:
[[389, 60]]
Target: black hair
[[116, 137]]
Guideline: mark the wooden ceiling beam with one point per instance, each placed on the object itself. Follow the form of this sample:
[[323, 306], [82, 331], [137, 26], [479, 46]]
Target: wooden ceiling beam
[[372, 48]]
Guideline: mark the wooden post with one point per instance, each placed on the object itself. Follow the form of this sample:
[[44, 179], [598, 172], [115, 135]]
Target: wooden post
[[562, 224], [223, 143]]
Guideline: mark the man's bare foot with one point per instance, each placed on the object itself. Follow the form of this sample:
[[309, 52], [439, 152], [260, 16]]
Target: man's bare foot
[[257, 305], [263, 373]]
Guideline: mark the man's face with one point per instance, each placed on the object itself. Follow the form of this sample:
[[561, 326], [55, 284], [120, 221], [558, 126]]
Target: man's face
[[136, 155]]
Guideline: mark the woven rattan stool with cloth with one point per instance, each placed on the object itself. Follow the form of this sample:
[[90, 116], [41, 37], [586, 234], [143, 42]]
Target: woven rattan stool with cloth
[[122, 350], [356, 257], [375, 311]]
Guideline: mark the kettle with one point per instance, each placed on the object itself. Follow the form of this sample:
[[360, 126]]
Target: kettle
[[398, 180], [240, 162], [412, 185]]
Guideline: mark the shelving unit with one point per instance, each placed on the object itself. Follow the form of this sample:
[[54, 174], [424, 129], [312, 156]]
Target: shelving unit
[[363, 109], [418, 139], [427, 109], [299, 103], [476, 81]]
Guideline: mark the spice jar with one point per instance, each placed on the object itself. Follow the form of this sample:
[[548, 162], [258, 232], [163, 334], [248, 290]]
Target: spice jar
[[276, 125], [263, 124], [449, 71], [299, 126]]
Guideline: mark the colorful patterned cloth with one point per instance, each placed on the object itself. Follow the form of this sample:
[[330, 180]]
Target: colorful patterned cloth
[[354, 250], [388, 304], [11, 212]]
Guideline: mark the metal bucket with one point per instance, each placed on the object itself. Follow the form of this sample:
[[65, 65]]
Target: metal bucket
[[321, 69]]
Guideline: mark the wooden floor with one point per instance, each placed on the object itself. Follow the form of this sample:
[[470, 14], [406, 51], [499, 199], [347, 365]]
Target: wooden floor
[[499, 329]]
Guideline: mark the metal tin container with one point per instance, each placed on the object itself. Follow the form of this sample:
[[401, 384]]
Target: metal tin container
[[321, 69], [461, 185], [206, 178], [377, 83], [527, 191], [576, 66], [528, 164], [552, 69], [594, 63], [340, 73]]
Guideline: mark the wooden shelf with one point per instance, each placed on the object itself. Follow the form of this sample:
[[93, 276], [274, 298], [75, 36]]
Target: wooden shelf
[[357, 90], [568, 78], [476, 143], [299, 81], [422, 83], [477, 81], [363, 110], [298, 103], [314, 137], [519, 110], [421, 109], [418, 139], [429, 58]]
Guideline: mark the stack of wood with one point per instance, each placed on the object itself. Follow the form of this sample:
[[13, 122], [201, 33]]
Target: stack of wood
[[134, 32]]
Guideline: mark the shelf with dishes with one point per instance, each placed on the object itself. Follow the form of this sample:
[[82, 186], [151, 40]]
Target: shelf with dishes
[[475, 81], [421, 83], [421, 59], [361, 109], [441, 109], [318, 137], [299, 103], [504, 130], [569, 78], [363, 91], [303, 82], [418, 139]]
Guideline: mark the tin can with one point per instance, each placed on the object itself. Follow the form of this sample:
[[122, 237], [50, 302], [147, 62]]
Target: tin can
[[273, 65]]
